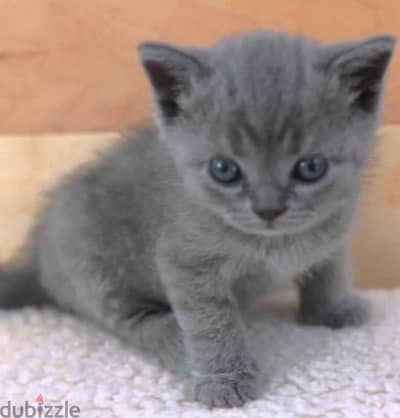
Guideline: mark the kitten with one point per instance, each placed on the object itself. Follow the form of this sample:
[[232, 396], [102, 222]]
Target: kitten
[[251, 176]]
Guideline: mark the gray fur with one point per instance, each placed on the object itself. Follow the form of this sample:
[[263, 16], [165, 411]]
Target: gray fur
[[146, 244]]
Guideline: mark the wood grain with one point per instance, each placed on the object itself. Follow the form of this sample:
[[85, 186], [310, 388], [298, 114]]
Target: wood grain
[[71, 65], [32, 164]]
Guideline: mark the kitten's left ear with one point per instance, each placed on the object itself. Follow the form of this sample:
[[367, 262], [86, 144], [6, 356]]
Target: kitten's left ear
[[361, 67], [172, 72]]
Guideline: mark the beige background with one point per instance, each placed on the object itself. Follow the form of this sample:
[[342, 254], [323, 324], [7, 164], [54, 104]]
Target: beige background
[[70, 66]]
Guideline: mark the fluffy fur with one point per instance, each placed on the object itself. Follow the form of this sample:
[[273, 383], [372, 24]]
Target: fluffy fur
[[147, 244]]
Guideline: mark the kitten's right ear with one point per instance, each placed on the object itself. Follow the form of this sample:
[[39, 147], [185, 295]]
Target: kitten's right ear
[[172, 73]]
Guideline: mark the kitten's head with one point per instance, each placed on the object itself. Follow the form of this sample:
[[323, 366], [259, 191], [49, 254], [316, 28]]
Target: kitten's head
[[269, 131]]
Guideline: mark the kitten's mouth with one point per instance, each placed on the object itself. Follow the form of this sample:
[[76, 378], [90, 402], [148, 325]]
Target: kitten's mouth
[[278, 226]]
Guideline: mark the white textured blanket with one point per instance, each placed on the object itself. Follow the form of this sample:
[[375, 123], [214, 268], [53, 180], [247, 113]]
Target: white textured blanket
[[310, 371]]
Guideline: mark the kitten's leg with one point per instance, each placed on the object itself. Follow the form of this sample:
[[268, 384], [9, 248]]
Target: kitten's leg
[[224, 373], [326, 296], [155, 333], [249, 291]]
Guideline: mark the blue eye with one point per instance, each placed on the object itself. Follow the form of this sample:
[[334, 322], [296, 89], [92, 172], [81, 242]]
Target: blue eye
[[224, 171], [310, 169]]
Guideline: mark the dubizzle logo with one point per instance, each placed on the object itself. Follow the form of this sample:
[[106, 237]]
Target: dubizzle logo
[[40, 410]]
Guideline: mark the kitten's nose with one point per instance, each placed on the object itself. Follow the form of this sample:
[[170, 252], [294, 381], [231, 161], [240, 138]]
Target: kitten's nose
[[269, 214]]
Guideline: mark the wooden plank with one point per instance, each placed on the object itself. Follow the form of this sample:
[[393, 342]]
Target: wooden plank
[[71, 66], [31, 164]]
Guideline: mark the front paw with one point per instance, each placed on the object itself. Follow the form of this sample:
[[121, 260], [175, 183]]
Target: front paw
[[350, 310], [226, 390]]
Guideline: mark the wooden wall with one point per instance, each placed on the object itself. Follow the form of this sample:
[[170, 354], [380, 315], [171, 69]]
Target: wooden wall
[[71, 65]]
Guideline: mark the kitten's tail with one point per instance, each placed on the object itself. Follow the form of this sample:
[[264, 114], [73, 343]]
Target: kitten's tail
[[19, 284]]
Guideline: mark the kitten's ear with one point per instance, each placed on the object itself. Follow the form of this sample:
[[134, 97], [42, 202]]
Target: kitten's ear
[[361, 67], [172, 73]]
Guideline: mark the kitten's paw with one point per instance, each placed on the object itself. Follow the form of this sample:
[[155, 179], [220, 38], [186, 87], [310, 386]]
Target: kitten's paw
[[351, 310], [226, 390]]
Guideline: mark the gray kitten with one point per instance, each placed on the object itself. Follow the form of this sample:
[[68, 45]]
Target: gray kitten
[[251, 177]]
